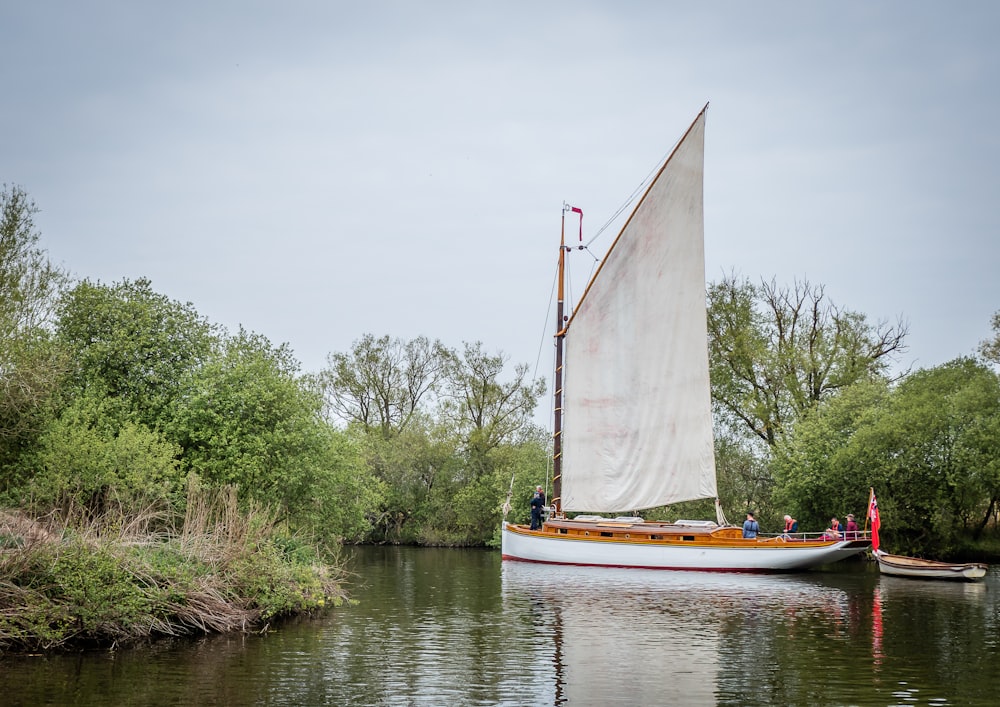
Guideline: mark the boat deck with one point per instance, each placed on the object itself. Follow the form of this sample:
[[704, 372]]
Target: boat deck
[[681, 532]]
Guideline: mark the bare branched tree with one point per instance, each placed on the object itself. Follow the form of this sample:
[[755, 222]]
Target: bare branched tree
[[778, 351], [382, 382]]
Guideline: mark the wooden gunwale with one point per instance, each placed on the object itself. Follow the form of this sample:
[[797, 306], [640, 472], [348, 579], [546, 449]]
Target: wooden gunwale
[[662, 533], [920, 563]]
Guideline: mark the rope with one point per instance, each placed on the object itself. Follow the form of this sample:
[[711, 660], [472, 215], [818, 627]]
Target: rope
[[643, 185]]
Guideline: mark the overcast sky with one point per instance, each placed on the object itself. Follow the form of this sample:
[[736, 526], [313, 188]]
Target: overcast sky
[[316, 171]]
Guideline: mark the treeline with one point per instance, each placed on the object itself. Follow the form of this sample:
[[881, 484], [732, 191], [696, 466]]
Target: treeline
[[810, 416], [114, 395], [158, 475]]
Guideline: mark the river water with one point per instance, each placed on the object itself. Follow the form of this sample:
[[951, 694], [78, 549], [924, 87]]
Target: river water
[[459, 627]]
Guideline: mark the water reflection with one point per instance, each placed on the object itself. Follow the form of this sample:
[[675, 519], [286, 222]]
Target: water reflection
[[663, 637], [458, 627], [835, 637]]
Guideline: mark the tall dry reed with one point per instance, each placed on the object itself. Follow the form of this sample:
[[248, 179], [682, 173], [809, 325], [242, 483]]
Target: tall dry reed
[[74, 575]]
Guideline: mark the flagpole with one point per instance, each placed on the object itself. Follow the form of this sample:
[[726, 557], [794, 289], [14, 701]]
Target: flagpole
[[868, 510]]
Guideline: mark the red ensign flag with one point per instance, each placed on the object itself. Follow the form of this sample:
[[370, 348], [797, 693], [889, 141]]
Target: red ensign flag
[[876, 522]]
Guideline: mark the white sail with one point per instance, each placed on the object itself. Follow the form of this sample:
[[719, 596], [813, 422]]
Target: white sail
[[637, 408]]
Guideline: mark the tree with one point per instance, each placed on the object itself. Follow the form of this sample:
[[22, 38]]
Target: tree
[[989, 349], [826, 467], [930, 447], [29, 283], [246, 419], [491, 418], [133, 344], [478, 505], [31, 366], [381, 383], [485, 410], [437, 429], [87, 459], [745, 479], [419, 467], [776, 352], [383, 390], [942, 452]]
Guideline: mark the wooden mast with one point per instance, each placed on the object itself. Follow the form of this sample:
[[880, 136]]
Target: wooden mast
[[558, 376]]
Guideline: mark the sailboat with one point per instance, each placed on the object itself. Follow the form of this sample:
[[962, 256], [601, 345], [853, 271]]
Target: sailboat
[[637, 404]]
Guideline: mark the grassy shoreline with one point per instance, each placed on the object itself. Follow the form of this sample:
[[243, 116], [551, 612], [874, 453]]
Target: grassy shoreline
[[72, 580]]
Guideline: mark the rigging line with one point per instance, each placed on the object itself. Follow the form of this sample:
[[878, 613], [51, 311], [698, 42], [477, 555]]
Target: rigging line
[[640, 189], [545, 326], [571, 301], [633, 196]]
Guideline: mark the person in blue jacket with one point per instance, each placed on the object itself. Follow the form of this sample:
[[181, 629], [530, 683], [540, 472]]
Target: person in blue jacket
[[750, 527]]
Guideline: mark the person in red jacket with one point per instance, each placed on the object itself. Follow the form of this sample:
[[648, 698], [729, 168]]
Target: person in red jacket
[[852, 528]]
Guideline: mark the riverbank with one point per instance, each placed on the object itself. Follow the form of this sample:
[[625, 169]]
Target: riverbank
[[70, 580]]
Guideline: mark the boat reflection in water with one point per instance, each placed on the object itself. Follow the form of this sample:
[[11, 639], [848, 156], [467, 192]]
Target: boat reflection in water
[[658, 637], [899, 587]]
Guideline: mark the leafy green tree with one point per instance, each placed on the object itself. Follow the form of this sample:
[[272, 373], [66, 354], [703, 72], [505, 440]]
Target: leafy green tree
[[133, 344], [775, 352], [382, 383], [233, 407], [941, 452], [245, 419], [30, 376], [930, 447], [989, 349], [485, 410], [745, 481], [419, 466], [31, 366], [478, 505], [344, 498], [437, 429], [828, 464], [382, 390], [87, 459], [979, 453], [491, 418]]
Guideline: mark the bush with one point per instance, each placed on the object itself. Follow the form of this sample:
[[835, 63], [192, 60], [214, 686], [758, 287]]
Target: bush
[[108, 580]]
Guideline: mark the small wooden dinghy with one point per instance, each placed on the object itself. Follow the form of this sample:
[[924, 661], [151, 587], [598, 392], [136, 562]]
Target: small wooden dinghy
[[902, 566]]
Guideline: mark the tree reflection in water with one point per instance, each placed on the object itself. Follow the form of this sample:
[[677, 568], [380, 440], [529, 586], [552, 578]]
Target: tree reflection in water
[[460, 627]]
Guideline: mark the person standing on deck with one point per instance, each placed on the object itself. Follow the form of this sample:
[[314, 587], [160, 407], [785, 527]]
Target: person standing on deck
[[750, 527], [537, 504]]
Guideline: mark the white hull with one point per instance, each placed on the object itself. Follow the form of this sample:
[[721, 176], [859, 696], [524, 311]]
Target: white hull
[[901, 566], [771, 557]]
